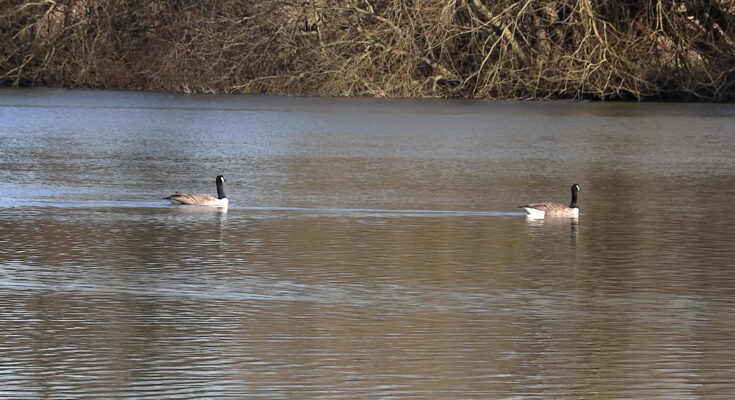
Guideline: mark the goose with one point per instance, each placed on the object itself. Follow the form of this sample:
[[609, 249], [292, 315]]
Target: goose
[[200, 199], [540, 210]]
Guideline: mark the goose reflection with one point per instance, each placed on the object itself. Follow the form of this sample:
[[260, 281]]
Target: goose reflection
[[541, 228]]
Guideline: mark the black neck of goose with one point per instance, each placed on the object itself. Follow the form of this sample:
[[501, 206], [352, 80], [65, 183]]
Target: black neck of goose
[[220, 190], [574, 199]]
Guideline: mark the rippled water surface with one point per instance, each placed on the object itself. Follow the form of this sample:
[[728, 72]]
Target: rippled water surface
[[372, 249]]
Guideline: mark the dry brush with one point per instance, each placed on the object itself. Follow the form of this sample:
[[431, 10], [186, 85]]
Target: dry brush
[[479, 49]]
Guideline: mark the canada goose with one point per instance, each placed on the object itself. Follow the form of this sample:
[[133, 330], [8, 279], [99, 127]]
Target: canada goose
[[540, 210], [200, 199]]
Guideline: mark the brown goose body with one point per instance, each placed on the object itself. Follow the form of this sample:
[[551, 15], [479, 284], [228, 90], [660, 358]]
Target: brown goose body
[[548, 209], [201, 199]]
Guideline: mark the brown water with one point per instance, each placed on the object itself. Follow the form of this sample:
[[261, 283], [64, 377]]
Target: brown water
[[372, 249]]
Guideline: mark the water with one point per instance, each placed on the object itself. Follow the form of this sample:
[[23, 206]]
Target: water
[[372, 249]]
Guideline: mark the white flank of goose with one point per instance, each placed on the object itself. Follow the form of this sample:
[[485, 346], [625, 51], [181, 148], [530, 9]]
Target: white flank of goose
[[201, 199], [547, 209]]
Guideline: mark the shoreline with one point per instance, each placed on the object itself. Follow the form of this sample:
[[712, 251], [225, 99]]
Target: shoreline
[[464, 49]]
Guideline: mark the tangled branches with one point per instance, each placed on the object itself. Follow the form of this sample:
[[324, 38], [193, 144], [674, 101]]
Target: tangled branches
[[525, 49]]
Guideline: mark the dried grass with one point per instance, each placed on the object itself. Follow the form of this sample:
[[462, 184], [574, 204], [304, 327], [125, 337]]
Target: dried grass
[[480, 49]]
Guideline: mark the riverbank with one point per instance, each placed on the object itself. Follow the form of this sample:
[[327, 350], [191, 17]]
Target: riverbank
[[433, 49]]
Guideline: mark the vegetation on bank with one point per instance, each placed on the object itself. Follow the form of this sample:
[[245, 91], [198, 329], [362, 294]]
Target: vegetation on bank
[[478, 49]]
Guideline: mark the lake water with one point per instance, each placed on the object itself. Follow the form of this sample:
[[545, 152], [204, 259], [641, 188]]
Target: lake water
[[372, 249]]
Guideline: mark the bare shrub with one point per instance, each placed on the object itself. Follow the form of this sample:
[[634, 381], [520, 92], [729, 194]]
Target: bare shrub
[[481, 49]]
